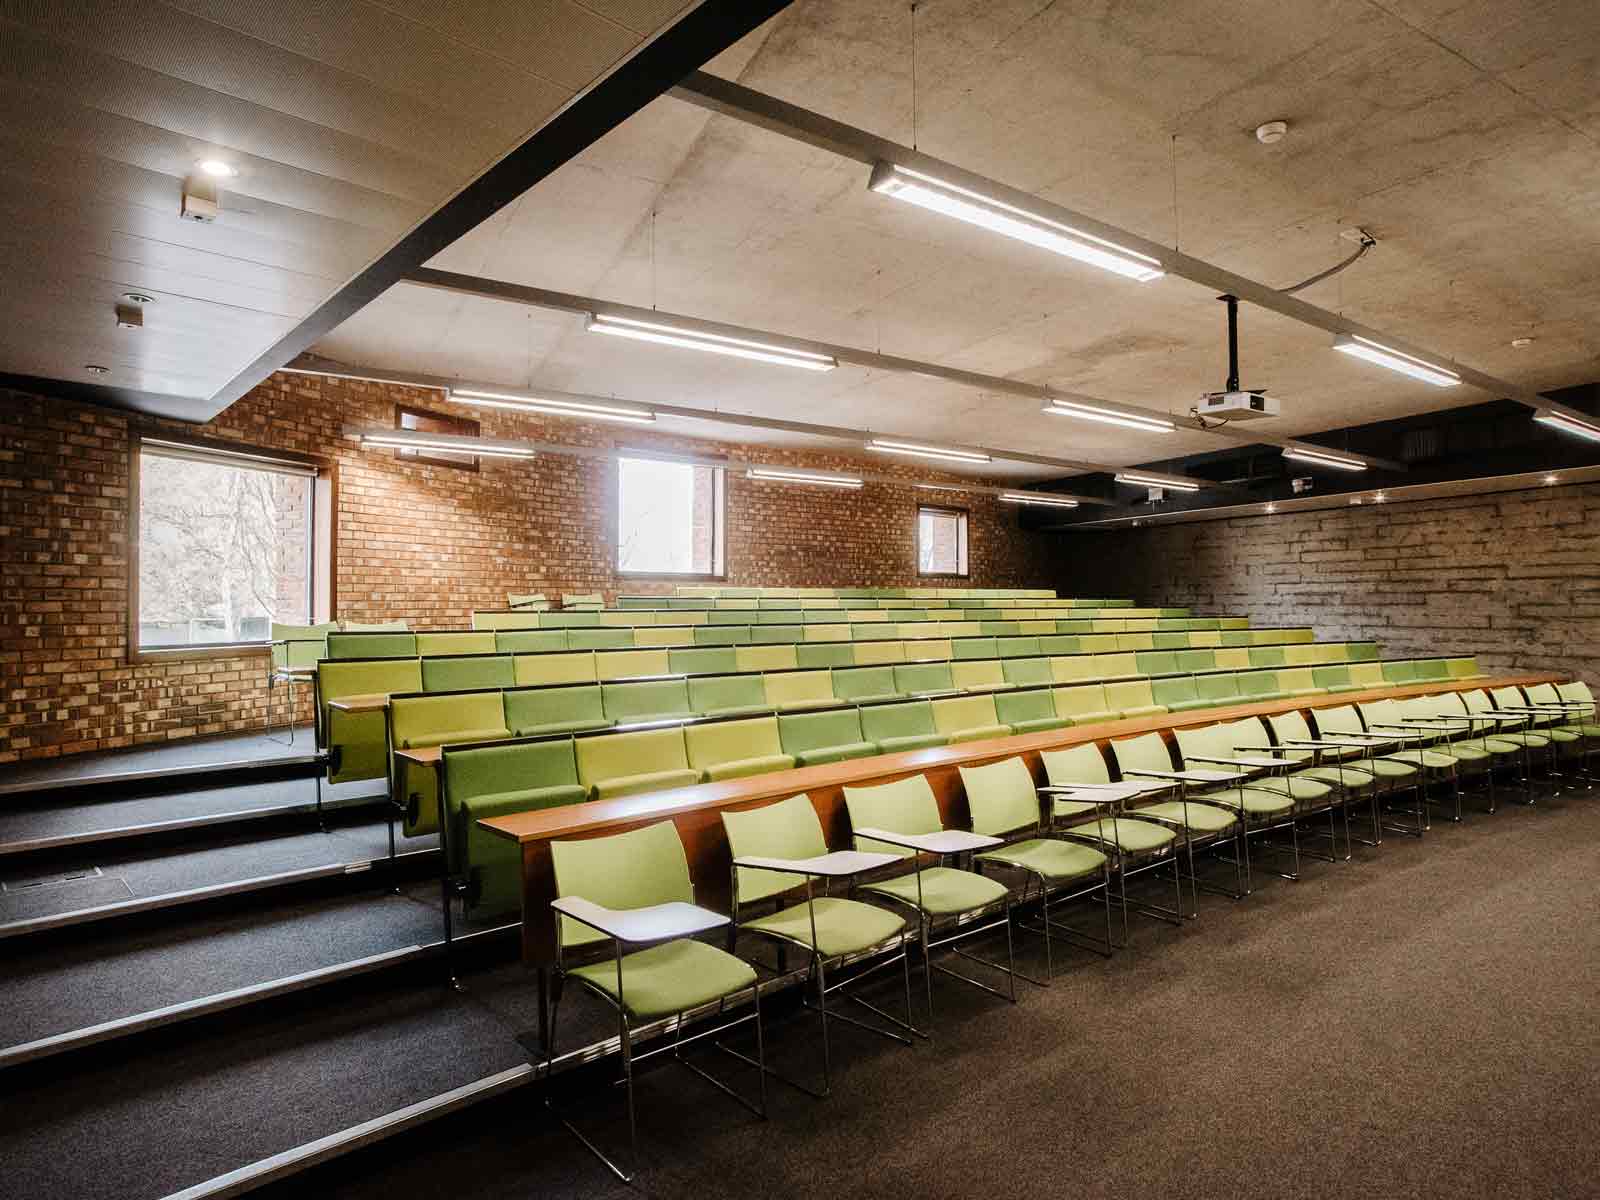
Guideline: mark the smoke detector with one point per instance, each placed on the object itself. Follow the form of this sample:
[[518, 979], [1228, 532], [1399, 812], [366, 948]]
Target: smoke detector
[[1271, 132]]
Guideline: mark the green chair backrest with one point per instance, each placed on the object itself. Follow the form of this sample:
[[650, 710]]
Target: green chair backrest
[[583, 601], [1001, 797], [974, 674], [1464, 668], [1267, 656], [539, 670], [904, 806], [787, 829], [529, 641], [1257, 683], [1156, 662], [636, 869], [509, 769], [1331, 677], [1340, 718], [1196, 660], [766, 658], [599, 638], [914, 678], [630, 664], [854, 683], [719, 693], [1013, 708], [371, 645], [1027, 672], [913, 718], [1403, 671], [731, 741], [704, 660], [777, 635], [1289, 726], [531, 601], [1076, 764], [789, 688], [1059, 643], [1431, 670], [631, 752], [879, 654], [1131, 694], [1147, 752], [456, 641], [645, 700], [468, 674], [303, 645], [1174, 689], [529, 710], [356, 741], [825, 655], [1085, 702], [800, 732], [724, 635], [433, 720], [957, 713]]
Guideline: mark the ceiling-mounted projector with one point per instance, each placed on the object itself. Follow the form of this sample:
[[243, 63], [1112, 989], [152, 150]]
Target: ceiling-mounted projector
[[1235, 403]]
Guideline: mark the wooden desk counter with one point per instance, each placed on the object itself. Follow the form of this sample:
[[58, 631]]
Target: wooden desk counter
[[696, 809]]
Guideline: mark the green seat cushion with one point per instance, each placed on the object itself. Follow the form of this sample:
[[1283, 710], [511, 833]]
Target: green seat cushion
[[759, 765], [1040, 724], [1257, 803], [1051, 858], [1583, 730], [978, 732], [946, 892], [1351, 778], [1494, 745], [1299, 787], [670, 978], [843, 926], [1386, 768], [912, 741], [832, 754], [562, 727], [1195, 815], [1558, 734], [1133, 836], [650, 781], [1144, 710], [448, 737], [1431, 760]]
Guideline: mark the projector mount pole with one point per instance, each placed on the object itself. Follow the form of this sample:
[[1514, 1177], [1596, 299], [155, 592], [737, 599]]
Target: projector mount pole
[[1233, 341]]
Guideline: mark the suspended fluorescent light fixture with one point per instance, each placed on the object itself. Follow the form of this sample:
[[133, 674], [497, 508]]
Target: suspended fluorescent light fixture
[[1568, 424], [1324, 458], [401, 439], [918, 450], [1395, 360], [714, 343], [937, 195], [1038, 498], [594, 410], [777, 475], [1171, 485], [1108, 416], [941, 487]]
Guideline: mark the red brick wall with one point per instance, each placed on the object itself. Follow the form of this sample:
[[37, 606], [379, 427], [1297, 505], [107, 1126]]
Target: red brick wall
[[426, 543]]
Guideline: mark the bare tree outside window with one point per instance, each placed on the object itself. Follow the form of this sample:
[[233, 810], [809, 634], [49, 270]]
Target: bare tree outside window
[[224, 549], [941, 541], [669, 518]]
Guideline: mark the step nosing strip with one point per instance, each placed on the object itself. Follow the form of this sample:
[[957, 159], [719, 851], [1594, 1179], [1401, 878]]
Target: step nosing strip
[[142, 773]]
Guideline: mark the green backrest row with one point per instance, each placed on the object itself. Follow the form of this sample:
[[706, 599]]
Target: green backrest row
[[1039, 620]]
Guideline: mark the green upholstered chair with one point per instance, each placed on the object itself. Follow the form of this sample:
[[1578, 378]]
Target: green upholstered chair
[[373, 626], [1196, 660], [471, 673], [343, 645], [601, 638], [902, 818], [1017, 647], [1084, 705], [813, 656], [725, 635], [1156, 662], [1027, 672], [1004, 803], [529, 601], [1424, 747], [968, 718], [1232, 658], [529, 641], [864, 684], [785, 840], [815, 738], [635, 761], [978, 675], [296, 647], [417, 722], [543, 670], [1073, 668], [358, 743], [1391, 775], [633, 890], [1463, 668], [1397, 671], [1132, 698], [583, 601], [1175, 693], [765, 658], [496, 781], [1101, 817], [728, 695], [1029, 711], [918, 679], [897, 727], [477, 641], [1333, 678], [670, 636], [1258, 685], [610, 665], [789, 691], [539, 712], [646, 700], [878, 654], [1267, 656], [777, 635], [735, 749]]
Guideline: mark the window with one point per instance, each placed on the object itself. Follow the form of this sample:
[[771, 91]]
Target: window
[[941, 541], [432, 422], [226, 545], [669, 518]]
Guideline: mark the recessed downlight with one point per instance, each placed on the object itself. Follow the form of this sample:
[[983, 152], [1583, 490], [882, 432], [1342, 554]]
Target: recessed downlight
[[1552, 478], [217, 169]]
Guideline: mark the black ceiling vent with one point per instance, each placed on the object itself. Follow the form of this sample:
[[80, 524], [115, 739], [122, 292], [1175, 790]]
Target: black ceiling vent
[[1419, 444]]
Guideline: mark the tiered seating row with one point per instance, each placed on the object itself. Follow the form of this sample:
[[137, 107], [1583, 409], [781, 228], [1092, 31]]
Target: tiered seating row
[[1087, 620], [719, 591], [861, 602]]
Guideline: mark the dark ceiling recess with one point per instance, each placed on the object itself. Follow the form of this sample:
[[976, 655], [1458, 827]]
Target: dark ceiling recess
[[1497, 438]]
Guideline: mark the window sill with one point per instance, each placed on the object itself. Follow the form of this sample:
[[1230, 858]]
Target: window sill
[[197, 653]]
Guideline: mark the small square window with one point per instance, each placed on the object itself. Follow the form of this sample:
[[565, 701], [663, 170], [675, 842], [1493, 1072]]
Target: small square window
[[941, 541], [669, 518]]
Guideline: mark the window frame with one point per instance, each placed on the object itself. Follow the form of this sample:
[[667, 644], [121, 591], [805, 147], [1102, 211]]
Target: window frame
[[458, 427], [719, 516], [322, 535], [964, 542]]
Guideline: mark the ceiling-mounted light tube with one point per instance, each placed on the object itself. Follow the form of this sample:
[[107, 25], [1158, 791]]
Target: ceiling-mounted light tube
[[918, 450], [594, 410], [1171, 485], [776, 475], [940, 196], [1324, 459], [941, 487], [1395, 360], [1038, 498], [713, 343], [400, 440], [1107, 416], [1567, 424]]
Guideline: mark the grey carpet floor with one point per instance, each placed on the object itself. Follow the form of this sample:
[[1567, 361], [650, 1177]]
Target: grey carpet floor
[[53, 988], [156, 873], [1418, 1023]]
